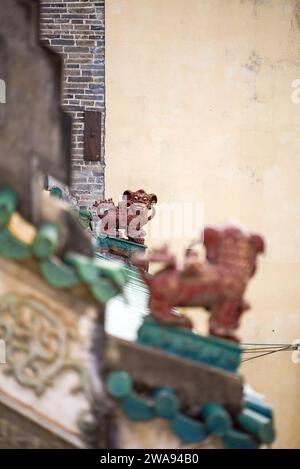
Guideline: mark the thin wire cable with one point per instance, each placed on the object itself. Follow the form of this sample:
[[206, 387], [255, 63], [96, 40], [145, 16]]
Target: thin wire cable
[[267, 353], [262, 349], [256, 348], [263, 343], [265, 347]]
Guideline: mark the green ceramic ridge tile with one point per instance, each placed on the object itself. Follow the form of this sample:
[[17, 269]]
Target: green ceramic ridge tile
[[46, 241], [58, 274], [103, 290], [8, 203], [105, 279], [212, 420], [85, 267], [13, 249]]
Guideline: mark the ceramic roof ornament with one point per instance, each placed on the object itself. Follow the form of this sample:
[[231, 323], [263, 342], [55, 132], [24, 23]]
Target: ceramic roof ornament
[[129, 216], [218, 284]]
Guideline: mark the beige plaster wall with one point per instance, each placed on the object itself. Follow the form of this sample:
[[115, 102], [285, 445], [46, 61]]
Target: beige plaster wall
[[199, 109]]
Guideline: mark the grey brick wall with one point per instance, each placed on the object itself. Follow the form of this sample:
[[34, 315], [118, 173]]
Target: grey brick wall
[[76, 30]]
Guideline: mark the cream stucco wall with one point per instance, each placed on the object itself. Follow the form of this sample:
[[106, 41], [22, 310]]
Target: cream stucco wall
[[199, 109]]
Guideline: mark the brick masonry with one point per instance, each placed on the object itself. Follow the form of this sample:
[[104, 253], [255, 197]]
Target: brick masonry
[[76, 30]]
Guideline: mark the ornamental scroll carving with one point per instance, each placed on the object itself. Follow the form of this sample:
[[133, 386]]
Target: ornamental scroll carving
[[37, 345], [38, 349]]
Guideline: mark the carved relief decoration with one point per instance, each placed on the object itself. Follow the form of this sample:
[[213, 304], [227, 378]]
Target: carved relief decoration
[[37, 345]]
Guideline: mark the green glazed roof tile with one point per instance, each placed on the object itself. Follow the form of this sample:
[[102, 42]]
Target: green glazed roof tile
[[104, 279]]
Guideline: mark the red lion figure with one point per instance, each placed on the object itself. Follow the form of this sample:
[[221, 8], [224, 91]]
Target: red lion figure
[[129, 215], [217, 284]]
